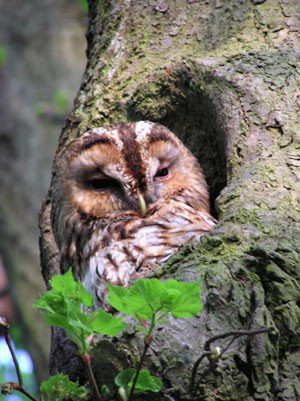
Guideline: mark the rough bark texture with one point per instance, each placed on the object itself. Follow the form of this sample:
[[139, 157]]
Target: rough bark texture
[[44, 43], [224, 76]]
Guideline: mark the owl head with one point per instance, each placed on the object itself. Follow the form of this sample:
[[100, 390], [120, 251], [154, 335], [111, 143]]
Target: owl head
[[128, 168]]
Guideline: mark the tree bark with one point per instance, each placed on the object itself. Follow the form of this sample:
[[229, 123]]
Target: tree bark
[[224, 76]]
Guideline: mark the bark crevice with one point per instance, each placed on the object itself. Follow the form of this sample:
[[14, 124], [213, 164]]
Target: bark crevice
[[189, 107]]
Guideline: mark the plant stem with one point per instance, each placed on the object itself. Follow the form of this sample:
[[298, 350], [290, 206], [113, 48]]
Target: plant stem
[[91, 377], [236, 333], [195, 368], [147, 342], [146, 346], [15, 386], [22, 390], [10, 347], [208, 353], [152, 324]]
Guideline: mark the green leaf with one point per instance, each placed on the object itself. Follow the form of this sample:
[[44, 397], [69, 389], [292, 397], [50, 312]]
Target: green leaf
[[142, 299], [63, 305], [65, 292], [124, 377], [57, 387], [105, 323], [182, 299], [64, 287], [147, 297], [129, 302], [105, 391], [63, 308], [145, 381], [57, 320], [151, 291], [51, 301]]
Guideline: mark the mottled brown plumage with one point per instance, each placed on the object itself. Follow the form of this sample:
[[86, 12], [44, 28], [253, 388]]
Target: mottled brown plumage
[[125, 197]]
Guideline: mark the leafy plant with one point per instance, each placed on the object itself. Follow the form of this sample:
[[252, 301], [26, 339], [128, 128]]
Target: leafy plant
[[56, 388], [148, 301], [63, 306]]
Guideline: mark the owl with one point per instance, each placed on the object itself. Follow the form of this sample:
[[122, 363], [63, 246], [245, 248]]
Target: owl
[[125, 197]]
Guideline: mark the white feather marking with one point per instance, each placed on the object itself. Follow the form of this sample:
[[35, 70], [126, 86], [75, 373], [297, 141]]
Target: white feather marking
[[142, 129]]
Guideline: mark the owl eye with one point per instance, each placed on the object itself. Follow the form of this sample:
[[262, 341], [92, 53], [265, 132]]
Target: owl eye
[[102, 184], [162, 173]]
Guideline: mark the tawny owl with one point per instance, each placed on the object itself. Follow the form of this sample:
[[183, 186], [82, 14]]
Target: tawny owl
[[125, 197]]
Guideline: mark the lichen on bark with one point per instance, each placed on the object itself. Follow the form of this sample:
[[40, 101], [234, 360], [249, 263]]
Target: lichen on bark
[[224, 77]]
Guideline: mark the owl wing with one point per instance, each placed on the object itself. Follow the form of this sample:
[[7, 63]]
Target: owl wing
[[143, 245]]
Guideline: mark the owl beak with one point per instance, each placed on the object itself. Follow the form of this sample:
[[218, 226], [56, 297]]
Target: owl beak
[[142, 204]]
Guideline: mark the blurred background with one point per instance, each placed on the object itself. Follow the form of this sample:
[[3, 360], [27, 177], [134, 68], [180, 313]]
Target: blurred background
[[42, 59]]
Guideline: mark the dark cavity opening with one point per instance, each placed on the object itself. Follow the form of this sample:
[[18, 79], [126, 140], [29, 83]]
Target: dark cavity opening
[[196, 116]]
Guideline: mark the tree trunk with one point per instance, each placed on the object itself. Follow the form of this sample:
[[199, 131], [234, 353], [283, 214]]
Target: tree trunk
[[223, 76]]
